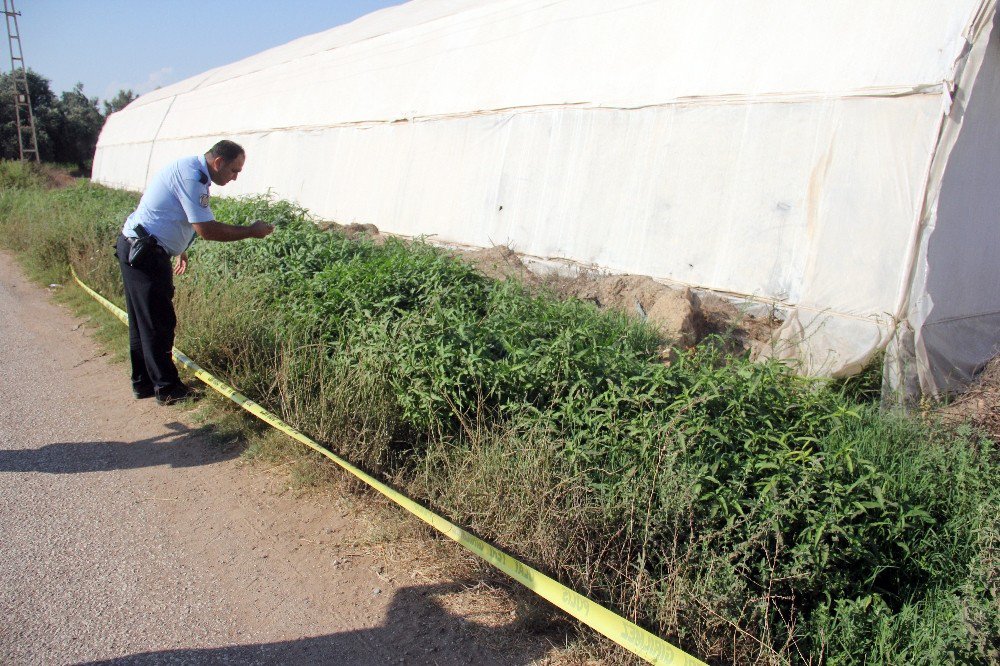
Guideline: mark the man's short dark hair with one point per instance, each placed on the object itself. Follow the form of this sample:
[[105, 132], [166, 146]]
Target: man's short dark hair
[[227, 150]]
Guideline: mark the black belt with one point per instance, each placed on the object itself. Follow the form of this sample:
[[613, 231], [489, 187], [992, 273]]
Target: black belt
[[131, 241]]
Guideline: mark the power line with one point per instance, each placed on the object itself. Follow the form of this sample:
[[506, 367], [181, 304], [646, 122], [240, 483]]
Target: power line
[[27, 140]]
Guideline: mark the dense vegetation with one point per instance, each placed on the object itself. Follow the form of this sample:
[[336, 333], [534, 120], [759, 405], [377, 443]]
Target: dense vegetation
[[742, 512]]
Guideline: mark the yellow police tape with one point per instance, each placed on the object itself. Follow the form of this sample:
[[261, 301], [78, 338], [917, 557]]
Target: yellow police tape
[[637, 640]]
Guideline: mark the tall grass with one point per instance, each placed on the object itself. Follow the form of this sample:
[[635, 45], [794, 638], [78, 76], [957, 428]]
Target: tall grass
[[750, 515]]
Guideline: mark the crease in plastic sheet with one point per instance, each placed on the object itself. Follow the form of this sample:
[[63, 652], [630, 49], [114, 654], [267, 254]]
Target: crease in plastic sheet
[[506, 112]]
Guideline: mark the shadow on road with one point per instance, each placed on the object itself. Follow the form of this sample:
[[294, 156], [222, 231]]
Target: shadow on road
[[418, 630], [183, 447]]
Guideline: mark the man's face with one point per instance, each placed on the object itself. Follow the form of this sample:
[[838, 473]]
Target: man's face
[[226, 172]]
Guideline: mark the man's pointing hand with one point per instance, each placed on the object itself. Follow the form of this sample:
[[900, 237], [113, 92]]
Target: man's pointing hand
[[260, 229]]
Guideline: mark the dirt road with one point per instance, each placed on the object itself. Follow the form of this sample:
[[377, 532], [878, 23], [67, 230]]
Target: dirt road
[[128, 536]]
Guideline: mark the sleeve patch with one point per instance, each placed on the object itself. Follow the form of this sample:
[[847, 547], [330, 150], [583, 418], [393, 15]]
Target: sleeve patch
[[203, 200]]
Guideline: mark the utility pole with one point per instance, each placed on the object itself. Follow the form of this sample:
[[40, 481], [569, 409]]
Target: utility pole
[[27, 140]]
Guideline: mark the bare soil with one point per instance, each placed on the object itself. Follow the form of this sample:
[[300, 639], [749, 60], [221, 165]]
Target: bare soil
[[58, 177], [54, 177], [681, 315], [980, 404]]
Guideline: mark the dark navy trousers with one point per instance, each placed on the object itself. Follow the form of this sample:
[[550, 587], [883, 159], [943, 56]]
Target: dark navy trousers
[[149, 293]]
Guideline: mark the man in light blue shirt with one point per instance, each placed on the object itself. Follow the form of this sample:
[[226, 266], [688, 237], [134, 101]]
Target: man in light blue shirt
[[173, 209]]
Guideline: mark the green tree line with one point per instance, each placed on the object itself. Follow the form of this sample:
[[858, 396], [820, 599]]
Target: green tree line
[[66, 125]]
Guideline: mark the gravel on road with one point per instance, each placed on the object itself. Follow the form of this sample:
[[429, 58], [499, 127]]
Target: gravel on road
[[129, 535]]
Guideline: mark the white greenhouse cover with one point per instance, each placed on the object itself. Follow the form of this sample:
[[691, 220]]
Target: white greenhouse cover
[[839, 160]]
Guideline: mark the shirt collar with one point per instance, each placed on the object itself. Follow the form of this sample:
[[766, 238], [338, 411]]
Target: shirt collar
[[204, 167]]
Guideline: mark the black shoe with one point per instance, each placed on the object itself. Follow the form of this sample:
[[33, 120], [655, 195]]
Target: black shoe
[[174, 394], [143, 392]]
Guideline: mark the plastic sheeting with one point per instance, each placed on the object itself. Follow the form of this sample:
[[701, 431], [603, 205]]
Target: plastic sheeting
[[954, 305], [789, 152]]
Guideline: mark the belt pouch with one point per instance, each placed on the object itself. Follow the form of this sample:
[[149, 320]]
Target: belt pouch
[[142, 246]]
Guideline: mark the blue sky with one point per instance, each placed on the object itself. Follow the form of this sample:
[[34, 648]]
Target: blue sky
[[141, 44]]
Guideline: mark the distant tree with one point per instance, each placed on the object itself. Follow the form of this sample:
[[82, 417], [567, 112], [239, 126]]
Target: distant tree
[[67, 126], [119, 101], [78, 123], [44, 106]]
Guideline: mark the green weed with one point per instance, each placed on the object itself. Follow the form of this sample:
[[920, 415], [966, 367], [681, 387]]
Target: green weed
[[741, 511]]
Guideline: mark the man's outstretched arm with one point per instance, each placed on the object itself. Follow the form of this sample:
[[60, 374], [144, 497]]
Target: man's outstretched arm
[[219, 231]]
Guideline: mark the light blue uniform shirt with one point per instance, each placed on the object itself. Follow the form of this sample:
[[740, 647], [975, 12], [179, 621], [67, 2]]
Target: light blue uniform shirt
[[176, 198]]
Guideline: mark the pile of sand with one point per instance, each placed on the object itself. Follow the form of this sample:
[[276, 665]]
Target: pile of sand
[[500, 263], [354, 231], [682, 316]]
